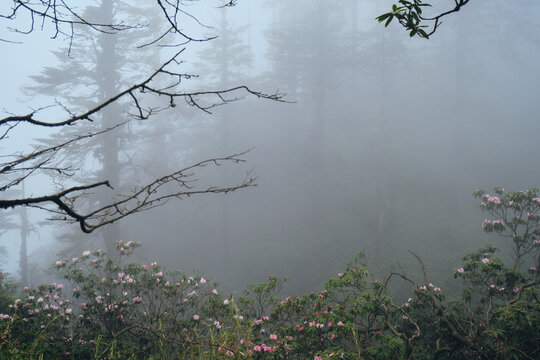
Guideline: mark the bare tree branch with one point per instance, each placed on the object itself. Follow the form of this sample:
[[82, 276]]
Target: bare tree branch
[[167, 82], [140, 199], [61, 15], [135, 92]]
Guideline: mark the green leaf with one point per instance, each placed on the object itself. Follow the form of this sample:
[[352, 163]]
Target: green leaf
[[423, 34], [389, 20], [383, 17]]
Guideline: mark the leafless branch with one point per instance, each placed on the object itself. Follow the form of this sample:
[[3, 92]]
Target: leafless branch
[[140, 199], [458, 4], [61, 15], [137, 91], [440, 310], [38, 159], [167, 81]]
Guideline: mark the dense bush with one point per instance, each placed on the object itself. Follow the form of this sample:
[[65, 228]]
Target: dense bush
[[120, 310]]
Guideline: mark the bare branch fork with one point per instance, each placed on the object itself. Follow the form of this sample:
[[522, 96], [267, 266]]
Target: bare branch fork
[[440, 314], [135, 91], [40, 160], [64, 203], [458, 4], [140, 199], [60, 14], [65, 19]]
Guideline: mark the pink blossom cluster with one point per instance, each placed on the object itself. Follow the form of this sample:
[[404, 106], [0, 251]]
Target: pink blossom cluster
[[285, 300], [261, 320], [492, 199], [122, 278], [265, 348], [493, 286]]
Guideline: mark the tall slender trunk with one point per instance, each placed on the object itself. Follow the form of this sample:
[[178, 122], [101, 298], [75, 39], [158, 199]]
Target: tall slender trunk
[[460, 97], [381, 158], [224, 235], [24, 230], [107, 80]]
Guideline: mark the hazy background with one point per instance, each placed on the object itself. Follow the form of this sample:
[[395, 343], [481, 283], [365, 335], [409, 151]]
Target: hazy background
[[382, 143]]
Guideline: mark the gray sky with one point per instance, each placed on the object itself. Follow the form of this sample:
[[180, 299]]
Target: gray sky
[[431, 120]]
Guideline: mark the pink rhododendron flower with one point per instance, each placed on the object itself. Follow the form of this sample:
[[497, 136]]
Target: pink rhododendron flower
[[195, 317], [214, 291], [461, 270], [494, 199], [485, 260]]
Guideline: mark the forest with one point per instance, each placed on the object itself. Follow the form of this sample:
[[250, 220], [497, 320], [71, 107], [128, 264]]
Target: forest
[[269, 180]]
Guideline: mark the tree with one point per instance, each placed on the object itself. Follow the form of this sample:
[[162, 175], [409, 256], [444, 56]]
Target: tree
[[167, 82], [97, 68], [409, 14]]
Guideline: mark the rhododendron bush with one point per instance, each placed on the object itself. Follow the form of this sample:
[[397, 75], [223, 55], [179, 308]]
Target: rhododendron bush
[[109, 308]]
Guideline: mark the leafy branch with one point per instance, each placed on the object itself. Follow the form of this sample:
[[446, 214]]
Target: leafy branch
[[410, 15]]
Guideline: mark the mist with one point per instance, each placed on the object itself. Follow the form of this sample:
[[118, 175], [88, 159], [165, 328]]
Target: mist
[[377, 145]]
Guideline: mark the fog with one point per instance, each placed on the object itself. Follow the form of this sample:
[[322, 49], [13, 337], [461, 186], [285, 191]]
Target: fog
[[377, 147]]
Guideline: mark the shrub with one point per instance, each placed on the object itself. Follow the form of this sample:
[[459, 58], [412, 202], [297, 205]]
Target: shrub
[[121, 310]]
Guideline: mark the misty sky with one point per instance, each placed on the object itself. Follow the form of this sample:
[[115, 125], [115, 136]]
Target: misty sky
[[385, 137]]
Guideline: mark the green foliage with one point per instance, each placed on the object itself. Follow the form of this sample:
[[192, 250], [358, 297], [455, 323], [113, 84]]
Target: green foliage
[[7, 288], [128, 310], [408, 14]]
